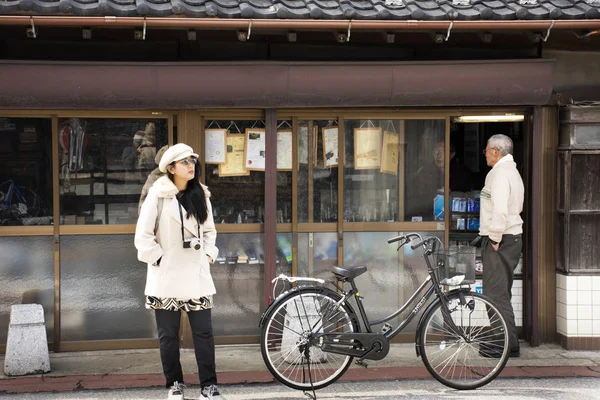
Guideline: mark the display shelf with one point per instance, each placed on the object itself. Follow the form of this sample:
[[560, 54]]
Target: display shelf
[[463, 235]]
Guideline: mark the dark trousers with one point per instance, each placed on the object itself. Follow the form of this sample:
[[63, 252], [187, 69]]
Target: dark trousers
[[498, 267], [167, 323]]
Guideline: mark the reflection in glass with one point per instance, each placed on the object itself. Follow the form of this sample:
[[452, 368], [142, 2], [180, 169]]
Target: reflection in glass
[[27, 275], [103, 166], [102, 289], [392, 276], [25, 171], [316, 262], [238, 193], [394, 169], [317, 177], [238, 274]]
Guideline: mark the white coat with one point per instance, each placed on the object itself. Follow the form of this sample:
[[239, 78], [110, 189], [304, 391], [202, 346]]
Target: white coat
[[183, 273]]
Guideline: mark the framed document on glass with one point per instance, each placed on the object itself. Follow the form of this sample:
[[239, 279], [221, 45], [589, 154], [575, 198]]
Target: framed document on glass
[[214, 146], [330, 146], [303, 144], [255, 149], [284, 150], [234, 156], [389, 153], [367, 148]]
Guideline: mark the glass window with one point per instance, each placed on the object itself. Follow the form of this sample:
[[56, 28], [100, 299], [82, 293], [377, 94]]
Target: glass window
[[238, 274], [237, 179], [284, 256], [317, 172], [27, 274], [394, 169], [284, 172], [102, 289], [317, 254], [103, 165], [25, 171], [588, 135]]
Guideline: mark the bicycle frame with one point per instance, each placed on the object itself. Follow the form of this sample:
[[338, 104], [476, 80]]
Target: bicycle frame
[[12, 188], [431, 283], [430, 287]]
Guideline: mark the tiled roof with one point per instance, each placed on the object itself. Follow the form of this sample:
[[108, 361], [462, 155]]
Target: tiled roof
[[316, 9]]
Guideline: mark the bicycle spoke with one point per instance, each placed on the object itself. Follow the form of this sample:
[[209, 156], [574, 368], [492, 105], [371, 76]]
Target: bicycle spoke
[[455, 357], [295, 322]]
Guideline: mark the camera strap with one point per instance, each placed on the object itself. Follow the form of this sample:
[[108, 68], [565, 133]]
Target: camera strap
[[181, 219]]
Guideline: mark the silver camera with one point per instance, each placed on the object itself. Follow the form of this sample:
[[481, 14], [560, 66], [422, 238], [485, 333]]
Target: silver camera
[[193, 243]]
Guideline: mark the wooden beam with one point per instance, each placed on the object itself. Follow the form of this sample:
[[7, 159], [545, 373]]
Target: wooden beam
[[543, 226]]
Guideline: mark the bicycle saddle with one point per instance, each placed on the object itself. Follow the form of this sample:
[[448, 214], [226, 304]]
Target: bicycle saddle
[[350, 272]]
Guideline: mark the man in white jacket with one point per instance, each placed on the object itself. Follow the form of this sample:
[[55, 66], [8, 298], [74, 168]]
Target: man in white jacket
[[501, 228]]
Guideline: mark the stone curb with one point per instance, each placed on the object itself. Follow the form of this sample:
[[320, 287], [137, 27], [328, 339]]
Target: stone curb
[[125, 381]]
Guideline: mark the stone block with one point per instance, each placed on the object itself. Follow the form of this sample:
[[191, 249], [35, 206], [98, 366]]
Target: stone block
[[26, 345]]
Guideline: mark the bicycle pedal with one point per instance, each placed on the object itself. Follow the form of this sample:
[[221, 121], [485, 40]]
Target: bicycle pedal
[[361, 363], [386, 328]]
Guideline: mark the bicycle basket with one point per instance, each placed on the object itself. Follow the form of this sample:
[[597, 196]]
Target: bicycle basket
[[455, 265]]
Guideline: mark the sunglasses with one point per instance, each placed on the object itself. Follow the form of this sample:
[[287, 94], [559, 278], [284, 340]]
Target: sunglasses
[[188, 161]]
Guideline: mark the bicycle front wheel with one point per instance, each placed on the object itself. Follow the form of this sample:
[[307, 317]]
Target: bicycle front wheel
[[471, 351], [287, 338]]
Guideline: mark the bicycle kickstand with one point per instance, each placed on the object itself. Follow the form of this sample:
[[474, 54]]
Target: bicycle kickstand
[[312, 396]]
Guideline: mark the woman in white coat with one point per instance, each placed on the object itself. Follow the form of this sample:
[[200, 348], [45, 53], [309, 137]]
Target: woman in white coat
[[175, 235]]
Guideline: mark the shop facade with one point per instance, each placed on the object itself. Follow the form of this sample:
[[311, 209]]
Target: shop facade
[[345, 157]]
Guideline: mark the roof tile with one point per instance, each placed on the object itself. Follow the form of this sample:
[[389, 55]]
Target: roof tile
[[317, 9]]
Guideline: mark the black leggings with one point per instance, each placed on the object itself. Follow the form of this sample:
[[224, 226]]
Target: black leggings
[[167, 323]]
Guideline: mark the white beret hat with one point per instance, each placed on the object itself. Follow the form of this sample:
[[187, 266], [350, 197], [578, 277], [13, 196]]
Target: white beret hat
[[175, 153]]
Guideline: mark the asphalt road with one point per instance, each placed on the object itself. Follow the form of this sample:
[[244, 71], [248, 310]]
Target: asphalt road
[[501, 389]]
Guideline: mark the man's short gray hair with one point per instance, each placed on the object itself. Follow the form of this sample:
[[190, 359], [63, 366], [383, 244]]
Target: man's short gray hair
[[503, 143]]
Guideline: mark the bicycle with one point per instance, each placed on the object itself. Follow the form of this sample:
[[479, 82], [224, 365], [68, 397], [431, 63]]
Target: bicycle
[[27, 202], [311, 334]]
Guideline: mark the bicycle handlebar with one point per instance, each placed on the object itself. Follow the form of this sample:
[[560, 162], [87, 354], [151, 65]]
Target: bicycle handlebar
[[396, 239], [408, 238], [421, 243]]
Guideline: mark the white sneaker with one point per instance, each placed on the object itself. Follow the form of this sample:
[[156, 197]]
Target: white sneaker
[[176, 391], [211, 393]]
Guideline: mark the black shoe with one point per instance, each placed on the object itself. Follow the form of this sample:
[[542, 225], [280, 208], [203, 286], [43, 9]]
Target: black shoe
[[490, 353], [497, 353], [515, 352]]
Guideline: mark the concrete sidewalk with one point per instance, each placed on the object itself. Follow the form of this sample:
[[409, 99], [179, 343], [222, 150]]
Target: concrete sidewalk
[[244, 364]]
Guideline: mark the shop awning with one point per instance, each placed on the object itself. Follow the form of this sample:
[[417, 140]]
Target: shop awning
[[53, 85]]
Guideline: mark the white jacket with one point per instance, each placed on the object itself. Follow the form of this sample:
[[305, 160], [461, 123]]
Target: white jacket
[[502, 201], [183, 273]]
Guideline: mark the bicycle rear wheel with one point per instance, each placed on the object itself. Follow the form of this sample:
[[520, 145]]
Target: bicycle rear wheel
[[474, 355], [287, 337]]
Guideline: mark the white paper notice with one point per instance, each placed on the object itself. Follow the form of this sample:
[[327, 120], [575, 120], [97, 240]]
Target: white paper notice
[[284, 150], [255, 149], [214, 146]]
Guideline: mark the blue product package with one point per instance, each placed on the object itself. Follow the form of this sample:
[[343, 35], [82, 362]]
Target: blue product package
[[473, 205], [462, 205], [455, 204], [473, 224], [438, 207]]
